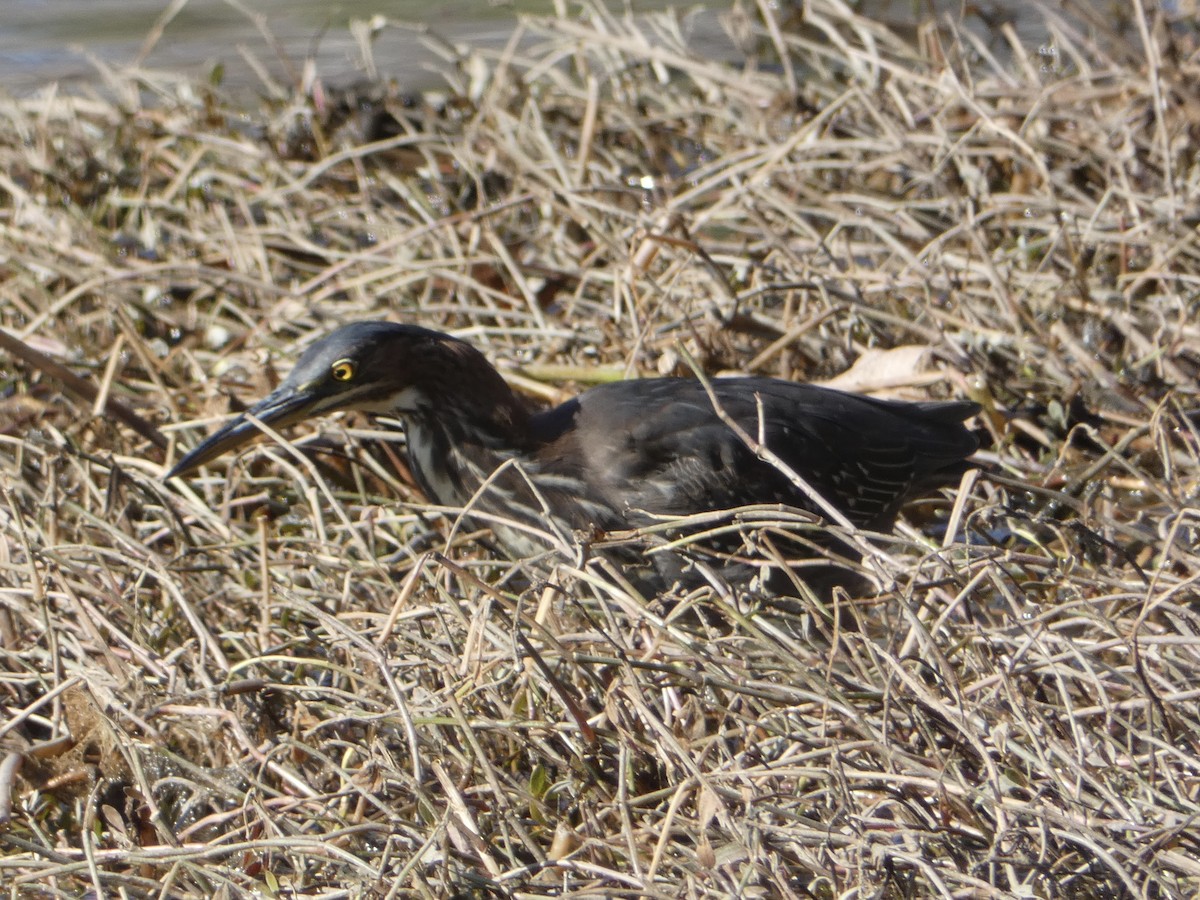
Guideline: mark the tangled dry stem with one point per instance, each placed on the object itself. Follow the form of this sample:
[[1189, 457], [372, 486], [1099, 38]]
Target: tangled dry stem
[[290, 677]]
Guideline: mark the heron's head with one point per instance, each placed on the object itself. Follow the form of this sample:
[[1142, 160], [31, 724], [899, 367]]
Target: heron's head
[[377, 367]]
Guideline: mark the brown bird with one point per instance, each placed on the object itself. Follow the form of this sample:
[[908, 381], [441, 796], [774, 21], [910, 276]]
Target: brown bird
[[622, 455]]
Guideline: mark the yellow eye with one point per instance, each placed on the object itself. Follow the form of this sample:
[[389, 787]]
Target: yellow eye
[[342, 370]]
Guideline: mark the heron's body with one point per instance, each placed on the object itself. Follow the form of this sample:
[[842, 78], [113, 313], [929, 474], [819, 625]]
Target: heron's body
[[620, 455]]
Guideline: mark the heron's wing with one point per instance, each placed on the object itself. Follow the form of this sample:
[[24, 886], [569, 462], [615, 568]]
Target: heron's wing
[[659, 445]]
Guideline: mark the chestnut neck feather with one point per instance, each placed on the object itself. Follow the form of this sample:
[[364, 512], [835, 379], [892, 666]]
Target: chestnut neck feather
[[465, 422], [469, 400]]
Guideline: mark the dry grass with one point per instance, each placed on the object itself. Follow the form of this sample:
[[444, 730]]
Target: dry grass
[[298, 680]]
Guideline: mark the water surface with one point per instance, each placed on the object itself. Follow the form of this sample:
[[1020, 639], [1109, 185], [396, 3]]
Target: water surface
[[44, 41], [55, 41]]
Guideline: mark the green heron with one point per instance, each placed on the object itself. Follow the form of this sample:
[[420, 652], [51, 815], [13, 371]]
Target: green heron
[[618, 456]]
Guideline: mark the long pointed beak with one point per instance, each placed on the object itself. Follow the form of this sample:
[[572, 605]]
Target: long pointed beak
[[282, 407]]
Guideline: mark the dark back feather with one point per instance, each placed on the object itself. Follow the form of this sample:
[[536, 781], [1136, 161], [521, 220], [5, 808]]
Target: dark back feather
[[658, 445]]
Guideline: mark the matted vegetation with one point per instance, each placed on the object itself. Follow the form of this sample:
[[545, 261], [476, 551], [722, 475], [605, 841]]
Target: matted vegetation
[[289, 677]]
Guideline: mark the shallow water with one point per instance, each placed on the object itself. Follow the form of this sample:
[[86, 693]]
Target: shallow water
[[45, 41]]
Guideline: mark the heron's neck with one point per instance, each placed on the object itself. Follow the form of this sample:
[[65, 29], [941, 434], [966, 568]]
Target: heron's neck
[[463, 429]]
